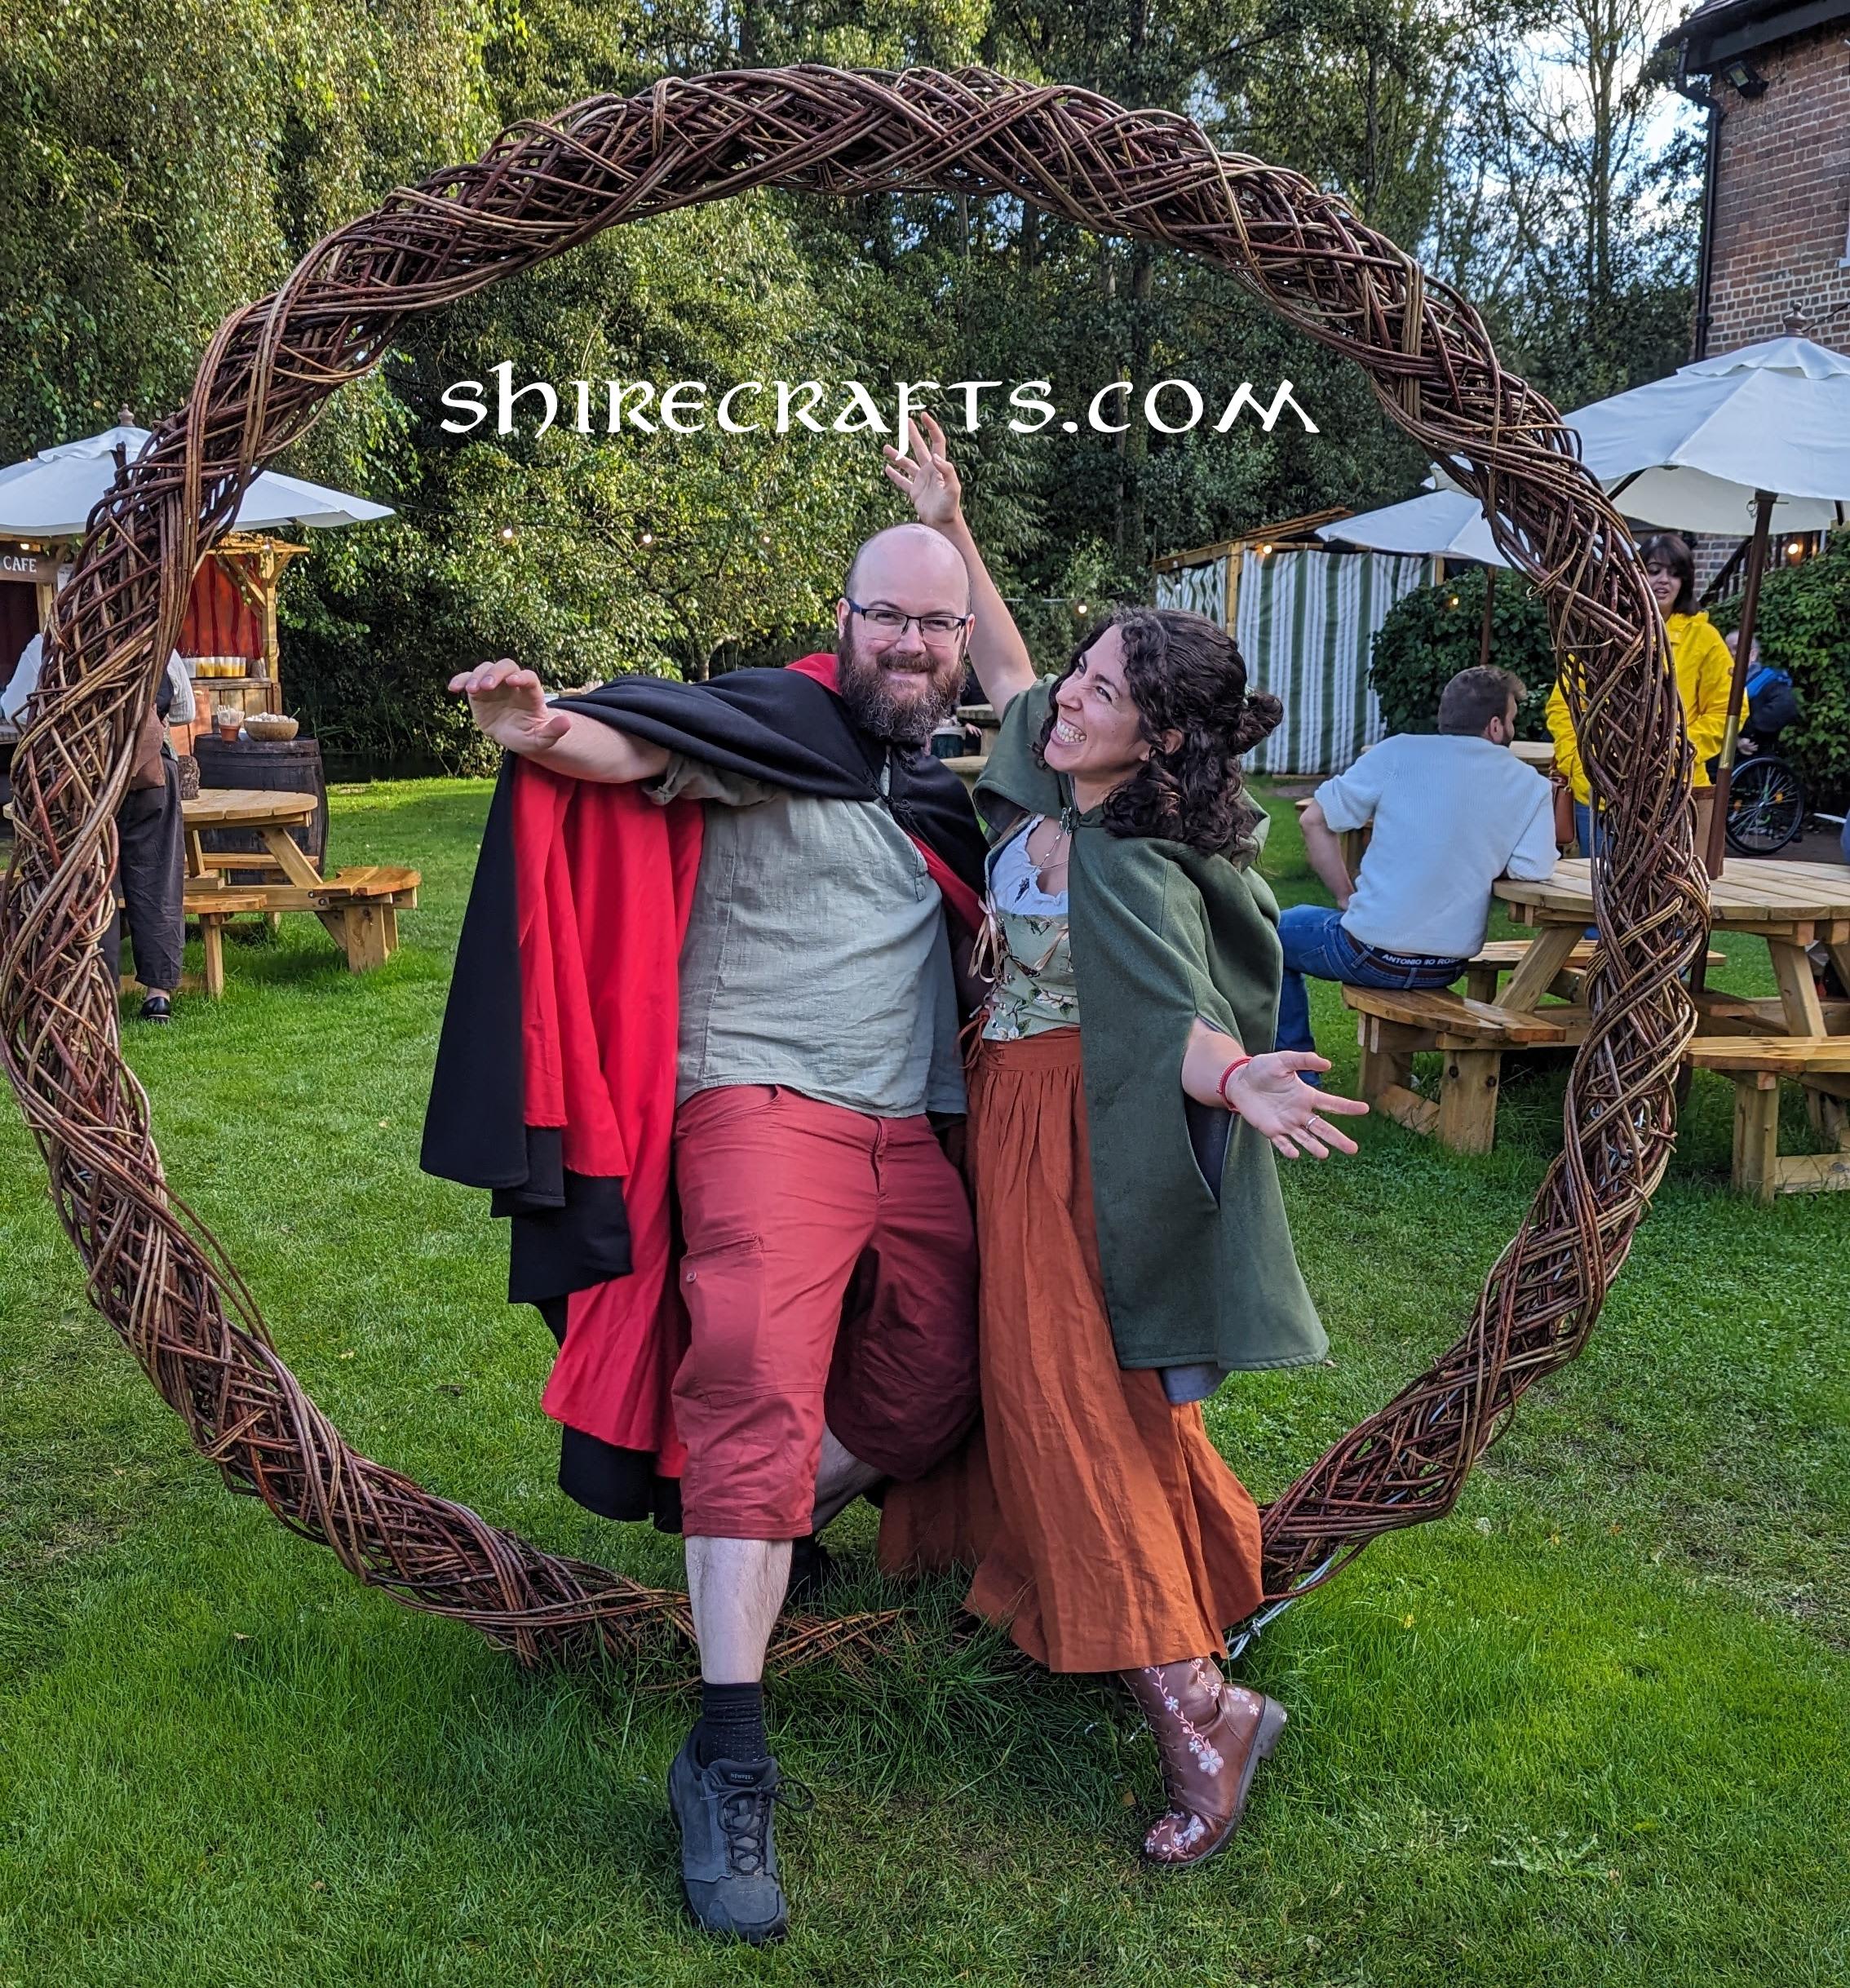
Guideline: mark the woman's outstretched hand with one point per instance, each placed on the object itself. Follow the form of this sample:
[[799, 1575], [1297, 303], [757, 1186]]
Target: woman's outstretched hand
[[1273, 1099], [926, 475]]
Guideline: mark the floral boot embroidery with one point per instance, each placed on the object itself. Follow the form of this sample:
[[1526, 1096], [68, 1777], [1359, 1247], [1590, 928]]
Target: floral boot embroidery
[[1176, 1835]]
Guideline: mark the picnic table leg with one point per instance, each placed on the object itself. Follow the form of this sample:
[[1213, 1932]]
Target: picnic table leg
[[289, 859], [1467, 1099], [1799, 1001], [212, 936], [365, 937], [1548, 953], [196, 858], [1840, 953], [1756, 1135], [1798, 990]]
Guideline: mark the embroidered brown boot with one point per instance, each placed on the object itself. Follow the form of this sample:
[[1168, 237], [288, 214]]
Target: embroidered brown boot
[[1211, 1737]]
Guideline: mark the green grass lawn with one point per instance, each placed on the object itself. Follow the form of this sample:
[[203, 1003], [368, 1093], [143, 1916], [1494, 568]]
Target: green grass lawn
[[1594, 1727]]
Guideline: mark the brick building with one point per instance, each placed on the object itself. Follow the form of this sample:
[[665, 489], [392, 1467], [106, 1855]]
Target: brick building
[[1774, 76]]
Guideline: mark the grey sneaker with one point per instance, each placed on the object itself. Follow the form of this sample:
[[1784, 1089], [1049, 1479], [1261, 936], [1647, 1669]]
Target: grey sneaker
[[728, 1853]]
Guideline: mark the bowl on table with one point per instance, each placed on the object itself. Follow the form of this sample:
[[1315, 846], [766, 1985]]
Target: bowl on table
[[271, 728]]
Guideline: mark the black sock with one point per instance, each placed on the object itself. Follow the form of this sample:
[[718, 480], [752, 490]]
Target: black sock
[[732, 1725]]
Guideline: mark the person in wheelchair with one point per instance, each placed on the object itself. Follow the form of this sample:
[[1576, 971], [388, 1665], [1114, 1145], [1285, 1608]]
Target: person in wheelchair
[[1767, 805], [1772, 703]]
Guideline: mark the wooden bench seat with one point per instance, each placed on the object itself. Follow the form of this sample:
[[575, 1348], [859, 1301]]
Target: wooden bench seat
[[372, 880], [1502, 956], [212, 906], [1457, 1019], [1393, 1025], [1757, 1064], [359, 907]]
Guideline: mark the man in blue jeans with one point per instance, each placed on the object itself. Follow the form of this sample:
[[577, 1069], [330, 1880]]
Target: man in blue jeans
[[1451, 812]]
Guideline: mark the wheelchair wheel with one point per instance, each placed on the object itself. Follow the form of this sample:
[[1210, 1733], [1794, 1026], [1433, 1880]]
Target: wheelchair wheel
[[1765, 806]]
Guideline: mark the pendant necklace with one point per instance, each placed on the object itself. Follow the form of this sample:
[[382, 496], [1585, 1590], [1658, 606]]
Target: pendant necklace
[[1068, 819]]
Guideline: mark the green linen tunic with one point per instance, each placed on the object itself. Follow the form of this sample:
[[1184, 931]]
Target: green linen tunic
[[1161, 934]]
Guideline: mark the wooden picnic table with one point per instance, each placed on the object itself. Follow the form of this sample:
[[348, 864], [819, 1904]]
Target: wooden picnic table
[[1796, 1036], [272, 814], [358, 907], [1790, 905]]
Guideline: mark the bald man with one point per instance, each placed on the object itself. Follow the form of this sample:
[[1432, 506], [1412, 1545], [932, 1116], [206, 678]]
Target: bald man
[[830, 1272]]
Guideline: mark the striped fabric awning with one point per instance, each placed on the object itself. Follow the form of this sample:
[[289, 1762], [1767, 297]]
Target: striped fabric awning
[[1305, 621]]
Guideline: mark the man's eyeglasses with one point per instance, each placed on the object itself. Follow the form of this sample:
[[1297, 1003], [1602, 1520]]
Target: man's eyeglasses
[[889, 622]]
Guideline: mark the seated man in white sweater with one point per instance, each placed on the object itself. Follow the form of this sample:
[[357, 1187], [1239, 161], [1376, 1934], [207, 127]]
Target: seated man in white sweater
[[1451, 813]]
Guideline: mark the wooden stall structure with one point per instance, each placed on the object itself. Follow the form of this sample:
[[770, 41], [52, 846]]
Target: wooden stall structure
[[227, 639], [1304, 614]]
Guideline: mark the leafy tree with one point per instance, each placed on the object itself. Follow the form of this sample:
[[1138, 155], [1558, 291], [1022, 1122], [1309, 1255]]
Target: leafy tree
[[1432, 633], [1570, 220], [175, 158], [168, 159]]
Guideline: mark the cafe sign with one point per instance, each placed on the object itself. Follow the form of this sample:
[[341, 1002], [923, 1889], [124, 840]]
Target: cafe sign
[[24, 566]]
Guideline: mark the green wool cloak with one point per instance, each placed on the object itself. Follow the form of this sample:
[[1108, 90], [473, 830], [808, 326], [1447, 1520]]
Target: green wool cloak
[[1161, 933]]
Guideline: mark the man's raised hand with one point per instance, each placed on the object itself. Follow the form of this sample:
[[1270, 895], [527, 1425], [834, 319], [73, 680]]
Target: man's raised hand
[[926, 474], [508, 704]]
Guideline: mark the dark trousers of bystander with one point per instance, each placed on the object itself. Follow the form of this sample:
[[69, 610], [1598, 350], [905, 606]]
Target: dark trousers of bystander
[[151, 881]]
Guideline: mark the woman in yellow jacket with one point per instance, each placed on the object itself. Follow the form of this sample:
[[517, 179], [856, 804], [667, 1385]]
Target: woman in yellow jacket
[[1704, 671]]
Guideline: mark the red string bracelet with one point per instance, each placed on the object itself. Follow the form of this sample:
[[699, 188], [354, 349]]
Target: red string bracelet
[[1239, 1063]]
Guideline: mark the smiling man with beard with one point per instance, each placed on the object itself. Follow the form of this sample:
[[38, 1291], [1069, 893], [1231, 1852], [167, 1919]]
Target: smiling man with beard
[[767, 861]]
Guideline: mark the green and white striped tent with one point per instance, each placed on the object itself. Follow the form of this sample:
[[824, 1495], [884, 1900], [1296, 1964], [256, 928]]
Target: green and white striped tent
[[1305, 616]]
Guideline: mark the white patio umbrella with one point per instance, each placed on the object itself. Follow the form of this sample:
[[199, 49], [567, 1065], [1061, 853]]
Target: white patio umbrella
[[1748, 442], [1439, 525], [52, 494]]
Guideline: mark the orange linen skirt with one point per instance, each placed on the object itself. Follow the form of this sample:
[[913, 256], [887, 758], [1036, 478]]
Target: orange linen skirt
[[1105, 1530]]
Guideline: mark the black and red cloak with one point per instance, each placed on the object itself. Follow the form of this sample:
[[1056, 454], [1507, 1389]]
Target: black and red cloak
[[570, 949]]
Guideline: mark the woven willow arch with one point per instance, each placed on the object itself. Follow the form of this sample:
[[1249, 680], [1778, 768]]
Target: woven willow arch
[[159, 1277]]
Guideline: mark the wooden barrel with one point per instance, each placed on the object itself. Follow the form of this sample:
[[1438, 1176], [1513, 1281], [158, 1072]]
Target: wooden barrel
[[277, 766]]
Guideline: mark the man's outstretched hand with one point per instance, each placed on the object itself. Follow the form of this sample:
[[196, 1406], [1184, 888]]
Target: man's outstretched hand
[[508, 703]]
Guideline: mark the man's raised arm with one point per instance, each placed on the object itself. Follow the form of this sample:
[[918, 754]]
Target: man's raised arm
[[509, 705]]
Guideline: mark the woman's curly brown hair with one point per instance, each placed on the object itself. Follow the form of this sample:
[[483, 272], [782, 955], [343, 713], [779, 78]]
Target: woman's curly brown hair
[[1185, 676]]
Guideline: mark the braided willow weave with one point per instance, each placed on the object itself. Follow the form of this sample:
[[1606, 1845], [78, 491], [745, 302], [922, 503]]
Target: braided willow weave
[[159, 1278]]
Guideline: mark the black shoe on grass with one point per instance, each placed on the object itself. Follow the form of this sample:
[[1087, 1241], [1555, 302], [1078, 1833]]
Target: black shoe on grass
[[724, 1811]]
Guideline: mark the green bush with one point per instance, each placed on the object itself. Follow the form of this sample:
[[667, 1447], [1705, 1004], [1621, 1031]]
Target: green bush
[[1432, 633], [1803, 625]]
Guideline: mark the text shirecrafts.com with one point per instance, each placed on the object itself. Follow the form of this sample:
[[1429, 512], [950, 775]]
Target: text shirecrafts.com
[[845, 407]]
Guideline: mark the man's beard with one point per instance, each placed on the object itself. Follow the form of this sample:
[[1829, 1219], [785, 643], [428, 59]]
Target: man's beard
[[905, 717]]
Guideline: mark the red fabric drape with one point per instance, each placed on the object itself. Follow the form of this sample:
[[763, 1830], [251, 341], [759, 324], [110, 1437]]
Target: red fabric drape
[[218, 621], [604, 881]]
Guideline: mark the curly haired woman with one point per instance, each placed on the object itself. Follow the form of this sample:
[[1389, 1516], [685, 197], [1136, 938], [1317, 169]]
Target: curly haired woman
[[1126, 1112]]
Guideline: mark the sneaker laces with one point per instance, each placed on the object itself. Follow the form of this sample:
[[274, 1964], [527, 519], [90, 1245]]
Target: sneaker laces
[[745, 1816]]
